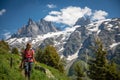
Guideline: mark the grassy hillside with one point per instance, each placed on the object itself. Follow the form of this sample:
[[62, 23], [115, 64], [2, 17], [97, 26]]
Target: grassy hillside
[[8, 72], [14, 73]]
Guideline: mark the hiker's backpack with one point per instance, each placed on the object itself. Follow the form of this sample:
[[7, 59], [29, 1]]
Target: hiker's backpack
[[28, 55]]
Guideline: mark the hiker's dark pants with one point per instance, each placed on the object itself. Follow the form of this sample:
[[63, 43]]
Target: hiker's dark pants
[[28, 68]]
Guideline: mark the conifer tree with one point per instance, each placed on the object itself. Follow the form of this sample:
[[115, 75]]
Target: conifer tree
[[100, 69], [78, 71]]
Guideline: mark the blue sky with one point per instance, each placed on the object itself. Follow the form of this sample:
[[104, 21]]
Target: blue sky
[[15, 13]]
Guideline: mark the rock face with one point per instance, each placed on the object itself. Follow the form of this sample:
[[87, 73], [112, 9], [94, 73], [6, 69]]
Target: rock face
[[72, 42], [32, 29]]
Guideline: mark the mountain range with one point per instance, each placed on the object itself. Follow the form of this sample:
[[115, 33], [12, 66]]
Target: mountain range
[[73, 42]]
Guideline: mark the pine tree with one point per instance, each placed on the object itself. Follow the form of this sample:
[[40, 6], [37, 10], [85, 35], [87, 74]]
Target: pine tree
[[78, 71], [100, 69], [112, 72]]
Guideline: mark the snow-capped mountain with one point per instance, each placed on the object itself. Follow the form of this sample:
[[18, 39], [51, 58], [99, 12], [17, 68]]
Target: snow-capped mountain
[[73, 42]]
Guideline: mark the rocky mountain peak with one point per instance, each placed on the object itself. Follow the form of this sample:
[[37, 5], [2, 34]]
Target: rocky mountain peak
[[32, 29], [83, 21], [30, 21]]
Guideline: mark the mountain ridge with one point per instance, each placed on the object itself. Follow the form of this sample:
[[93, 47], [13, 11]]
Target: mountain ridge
[[76, 41]]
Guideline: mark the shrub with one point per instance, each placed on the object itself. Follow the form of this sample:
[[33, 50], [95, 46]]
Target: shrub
[[50, 57]]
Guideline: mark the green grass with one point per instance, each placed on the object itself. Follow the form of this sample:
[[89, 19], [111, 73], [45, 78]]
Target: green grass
[[6, 72], [58, 75], [14, 73]]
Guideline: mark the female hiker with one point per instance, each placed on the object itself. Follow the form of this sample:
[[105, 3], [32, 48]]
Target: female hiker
[[27, 60]]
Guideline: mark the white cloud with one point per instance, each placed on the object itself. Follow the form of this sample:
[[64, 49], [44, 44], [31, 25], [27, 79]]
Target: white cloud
[[99, 15], [51, 6], [2, 12], [7, 35], [87, 11], [71, 14], [55, 13], [68, 15]]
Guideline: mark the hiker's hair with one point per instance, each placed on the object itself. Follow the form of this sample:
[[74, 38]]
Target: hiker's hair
[[28, 45]]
